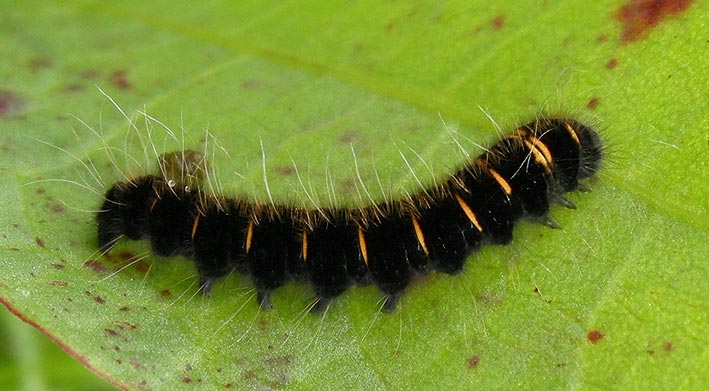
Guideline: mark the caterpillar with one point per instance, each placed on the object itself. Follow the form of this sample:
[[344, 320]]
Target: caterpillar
[[387, 244]]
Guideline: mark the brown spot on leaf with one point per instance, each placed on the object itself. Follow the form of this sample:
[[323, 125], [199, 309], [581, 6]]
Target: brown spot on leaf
[[348, 137], [74, 87], [10, 103], [593, 103], [58, 266], [639, 16], [498, 22], [137, 364], [124, 325], [58, 283], [39, 63], [612, 63], [473, 362], [165, 293], [57, 208], [40, 242], [348, 186], [285, 170], [111, 332], [97, 299], [119, 80], [142, 266], [186, 379], [125, 308], [125, 255], [94, 265], [594, 336], [667, 346], [40, 190]]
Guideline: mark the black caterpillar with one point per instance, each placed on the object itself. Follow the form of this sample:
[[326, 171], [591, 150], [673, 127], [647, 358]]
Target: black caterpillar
[[387, 243]]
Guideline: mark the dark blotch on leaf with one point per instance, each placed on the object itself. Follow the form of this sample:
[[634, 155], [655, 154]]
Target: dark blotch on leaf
[[124, 325], [10, 103], [474, 362], [125, 255], [594, 336], [74, 87], [39, 63], [348, 137], [94, 265], [639, 16], [97, 299], [498, 22], [285, 170], [57, 208], [119, 80]]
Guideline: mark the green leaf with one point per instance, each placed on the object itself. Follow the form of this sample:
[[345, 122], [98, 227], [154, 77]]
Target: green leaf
[[617, 298]]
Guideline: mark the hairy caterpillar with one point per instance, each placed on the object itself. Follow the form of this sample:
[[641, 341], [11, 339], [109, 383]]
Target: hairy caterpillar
[[333, 248]]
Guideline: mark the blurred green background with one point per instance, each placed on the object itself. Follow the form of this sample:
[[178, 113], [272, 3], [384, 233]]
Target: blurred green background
[[30, 361]]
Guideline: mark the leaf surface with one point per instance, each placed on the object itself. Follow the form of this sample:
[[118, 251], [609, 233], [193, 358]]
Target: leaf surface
[[340, 98]]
